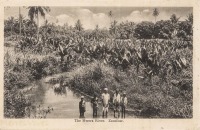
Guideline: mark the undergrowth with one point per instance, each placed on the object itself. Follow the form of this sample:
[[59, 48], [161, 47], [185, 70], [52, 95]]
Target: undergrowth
[[153, 100]]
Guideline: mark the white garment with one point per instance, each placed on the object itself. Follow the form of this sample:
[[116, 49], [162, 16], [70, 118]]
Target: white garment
[[105, 109], [116, 98], [124, 101], [105, 98]]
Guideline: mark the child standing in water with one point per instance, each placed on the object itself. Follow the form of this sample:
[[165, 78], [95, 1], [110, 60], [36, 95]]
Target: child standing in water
[[82, 107], [95, 105], [124, 102]]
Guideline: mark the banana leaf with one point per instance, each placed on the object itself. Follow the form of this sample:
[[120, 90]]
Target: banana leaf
[[60, 48], [183, 61], [179, 65], [141, 77]]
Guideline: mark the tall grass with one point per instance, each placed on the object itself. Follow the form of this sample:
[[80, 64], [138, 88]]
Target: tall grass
[[158, 99], [19, 72]]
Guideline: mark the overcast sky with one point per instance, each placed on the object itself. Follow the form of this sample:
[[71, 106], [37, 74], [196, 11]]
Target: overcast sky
[[92, 16]]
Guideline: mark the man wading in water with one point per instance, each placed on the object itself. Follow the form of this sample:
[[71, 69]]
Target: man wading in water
[[116, 102], [82, 107], [124, 102], [105, 101]]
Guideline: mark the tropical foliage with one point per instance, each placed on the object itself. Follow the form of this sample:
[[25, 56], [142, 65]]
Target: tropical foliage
[[151, 61]]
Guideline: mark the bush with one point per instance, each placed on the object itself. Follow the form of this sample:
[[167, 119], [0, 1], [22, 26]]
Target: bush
[[185, 30], [154, 100], [18, 75], [144, 30], [15, 104], [163, 29]]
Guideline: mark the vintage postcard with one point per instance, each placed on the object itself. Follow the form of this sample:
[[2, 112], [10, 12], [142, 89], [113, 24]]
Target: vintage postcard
[[99, 65]]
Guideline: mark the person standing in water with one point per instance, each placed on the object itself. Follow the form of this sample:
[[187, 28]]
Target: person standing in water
[[82, 107], [116, 102], [124, 102], [94, 102], [105, 101]]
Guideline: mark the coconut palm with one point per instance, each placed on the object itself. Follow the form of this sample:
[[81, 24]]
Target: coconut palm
[[190, 18], [11, 21], [110, 14], [113, 27], [78, 25], [155, 13], [174, 19], [34, 12], [20, 21]]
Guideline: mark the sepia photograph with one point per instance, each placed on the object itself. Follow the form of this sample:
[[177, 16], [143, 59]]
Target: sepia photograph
[[71, 62]]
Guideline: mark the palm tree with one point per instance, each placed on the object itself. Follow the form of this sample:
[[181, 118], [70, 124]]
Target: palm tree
[[20, 22], [190, 18], [11, 21], [155, 13], [113, 27], [34, 12], [174, 19], [97, 27], [78, 25], [110, 14]]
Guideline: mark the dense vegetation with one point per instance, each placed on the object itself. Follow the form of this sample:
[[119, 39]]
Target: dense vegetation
[[151, 61]]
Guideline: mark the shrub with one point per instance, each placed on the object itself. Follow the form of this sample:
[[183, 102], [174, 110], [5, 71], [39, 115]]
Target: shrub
[[144, 30], [163, 29]]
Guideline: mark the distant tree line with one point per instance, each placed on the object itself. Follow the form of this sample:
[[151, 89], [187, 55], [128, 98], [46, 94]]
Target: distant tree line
[[166, 29], [163, 29]]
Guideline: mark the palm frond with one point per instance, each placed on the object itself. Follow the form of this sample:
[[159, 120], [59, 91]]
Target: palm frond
[[47, 8], [31, 12], [41, 11]]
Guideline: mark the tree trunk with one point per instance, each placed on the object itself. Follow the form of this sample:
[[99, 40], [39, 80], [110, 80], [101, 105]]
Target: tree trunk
[[11, 30], [37, 26], [19, 23]]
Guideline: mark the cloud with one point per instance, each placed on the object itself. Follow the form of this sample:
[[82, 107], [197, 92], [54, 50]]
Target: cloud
[[101, 19], [88, 19], [134, 16], [63, 18], [146, 11], [135, 12]]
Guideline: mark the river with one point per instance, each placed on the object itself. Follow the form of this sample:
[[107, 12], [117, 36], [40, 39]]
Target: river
[[63, 105]]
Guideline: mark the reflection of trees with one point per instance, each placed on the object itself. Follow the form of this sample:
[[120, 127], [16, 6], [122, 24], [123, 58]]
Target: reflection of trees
[[60, 91]]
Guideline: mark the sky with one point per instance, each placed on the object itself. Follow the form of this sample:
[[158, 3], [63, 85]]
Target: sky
[[92, 16]]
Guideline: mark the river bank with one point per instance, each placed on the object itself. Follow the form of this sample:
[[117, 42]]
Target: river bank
[[29, 75], [149, 97], [20, 71]]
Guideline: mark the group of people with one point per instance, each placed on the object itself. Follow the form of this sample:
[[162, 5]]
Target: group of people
[[119, 104]]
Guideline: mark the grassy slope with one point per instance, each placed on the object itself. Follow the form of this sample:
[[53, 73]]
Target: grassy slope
[[158, 99]]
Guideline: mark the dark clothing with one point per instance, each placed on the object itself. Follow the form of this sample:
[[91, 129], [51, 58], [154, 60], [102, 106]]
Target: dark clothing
[[123, 108], [94, 102], [82, 108]]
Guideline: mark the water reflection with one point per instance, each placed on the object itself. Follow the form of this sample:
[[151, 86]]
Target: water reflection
[[61, 90], [61, 102]]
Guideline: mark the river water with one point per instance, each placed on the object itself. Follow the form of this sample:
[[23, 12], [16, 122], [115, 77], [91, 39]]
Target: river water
[[65, 104]]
